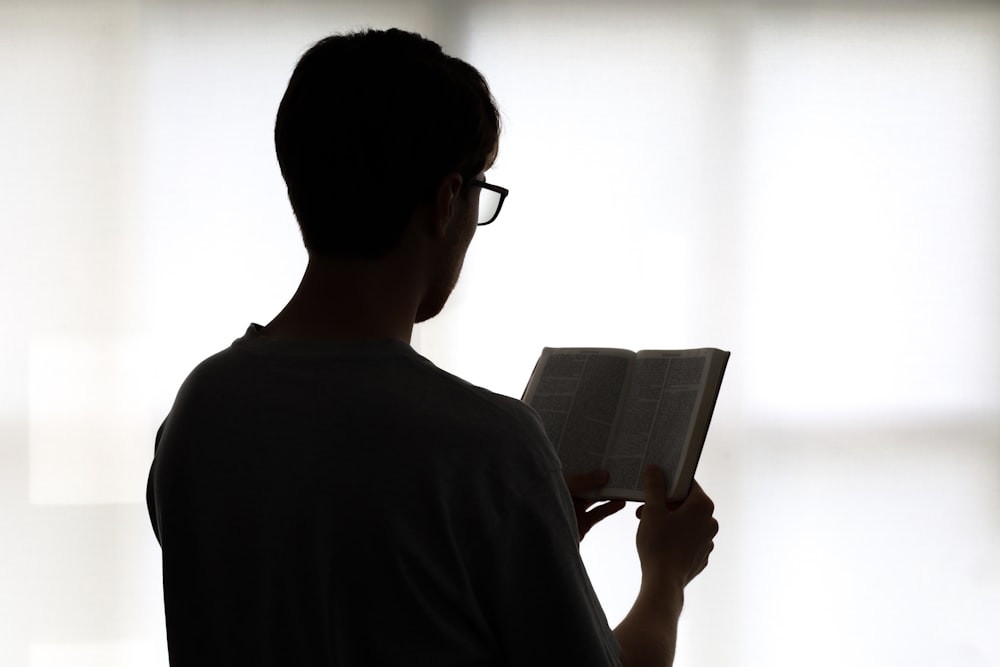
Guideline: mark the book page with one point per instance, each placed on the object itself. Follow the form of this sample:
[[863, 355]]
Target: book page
[[658, 415], [576, 391]]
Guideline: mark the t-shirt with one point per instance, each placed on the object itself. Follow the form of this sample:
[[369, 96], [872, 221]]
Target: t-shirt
[[323, 503]]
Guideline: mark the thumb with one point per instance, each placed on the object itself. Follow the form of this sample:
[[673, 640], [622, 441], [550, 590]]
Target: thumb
[[654, 485]]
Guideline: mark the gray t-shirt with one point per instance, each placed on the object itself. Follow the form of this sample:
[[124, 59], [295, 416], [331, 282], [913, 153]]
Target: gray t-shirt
[[351, 504]]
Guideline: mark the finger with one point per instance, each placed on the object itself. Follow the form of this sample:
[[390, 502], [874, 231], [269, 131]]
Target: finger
[[698, 492], [586, 481], [654, 485], [602, 512], [590, 519], [697, 501]]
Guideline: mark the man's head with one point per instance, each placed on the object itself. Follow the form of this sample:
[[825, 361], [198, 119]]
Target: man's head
[[370, 125]]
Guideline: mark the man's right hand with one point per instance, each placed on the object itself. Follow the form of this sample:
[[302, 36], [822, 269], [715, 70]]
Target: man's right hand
[[673, 541]]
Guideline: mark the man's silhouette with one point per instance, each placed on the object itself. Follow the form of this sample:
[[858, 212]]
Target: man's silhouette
[[324, 495]]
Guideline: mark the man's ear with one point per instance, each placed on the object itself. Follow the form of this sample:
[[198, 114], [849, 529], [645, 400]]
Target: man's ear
[[446, 202]]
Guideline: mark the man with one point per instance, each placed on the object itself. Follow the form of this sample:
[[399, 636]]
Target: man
[[323, 495]]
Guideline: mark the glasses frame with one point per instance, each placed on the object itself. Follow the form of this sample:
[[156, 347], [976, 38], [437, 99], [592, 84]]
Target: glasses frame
[[493, 188]]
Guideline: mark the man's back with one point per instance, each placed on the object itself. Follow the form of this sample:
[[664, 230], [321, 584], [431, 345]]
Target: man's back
[[350, 503]]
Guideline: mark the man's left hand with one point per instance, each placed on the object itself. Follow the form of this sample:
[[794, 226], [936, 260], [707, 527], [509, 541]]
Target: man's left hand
[[582, 483]]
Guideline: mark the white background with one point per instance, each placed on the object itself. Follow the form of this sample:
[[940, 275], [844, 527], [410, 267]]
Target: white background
[[813, 186]]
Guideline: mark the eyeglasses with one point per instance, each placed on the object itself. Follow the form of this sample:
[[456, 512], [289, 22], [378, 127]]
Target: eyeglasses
[[490, 200]]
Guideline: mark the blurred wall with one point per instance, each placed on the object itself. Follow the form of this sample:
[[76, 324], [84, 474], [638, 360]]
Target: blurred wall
[[810, 185]]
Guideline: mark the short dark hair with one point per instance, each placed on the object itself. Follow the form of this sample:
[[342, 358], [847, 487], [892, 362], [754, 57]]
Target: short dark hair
[[369, 125]]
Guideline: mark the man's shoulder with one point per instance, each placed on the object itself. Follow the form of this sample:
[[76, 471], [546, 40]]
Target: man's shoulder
[[489, 403], [386, 370]]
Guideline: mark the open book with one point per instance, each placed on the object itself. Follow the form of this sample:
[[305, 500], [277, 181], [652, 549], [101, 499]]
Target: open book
[[620, 410]]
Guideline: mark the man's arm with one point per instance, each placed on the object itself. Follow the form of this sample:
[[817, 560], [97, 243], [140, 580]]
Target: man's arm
[[673, 545], [150, 486]]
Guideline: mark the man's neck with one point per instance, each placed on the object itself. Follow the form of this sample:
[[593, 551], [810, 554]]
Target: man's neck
[[349, 300]]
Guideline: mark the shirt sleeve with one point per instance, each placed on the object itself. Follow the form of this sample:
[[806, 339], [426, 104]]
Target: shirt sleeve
[[546, 611]]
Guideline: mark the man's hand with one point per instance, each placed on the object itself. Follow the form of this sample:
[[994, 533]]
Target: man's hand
[[674, 540], [590, 481]]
